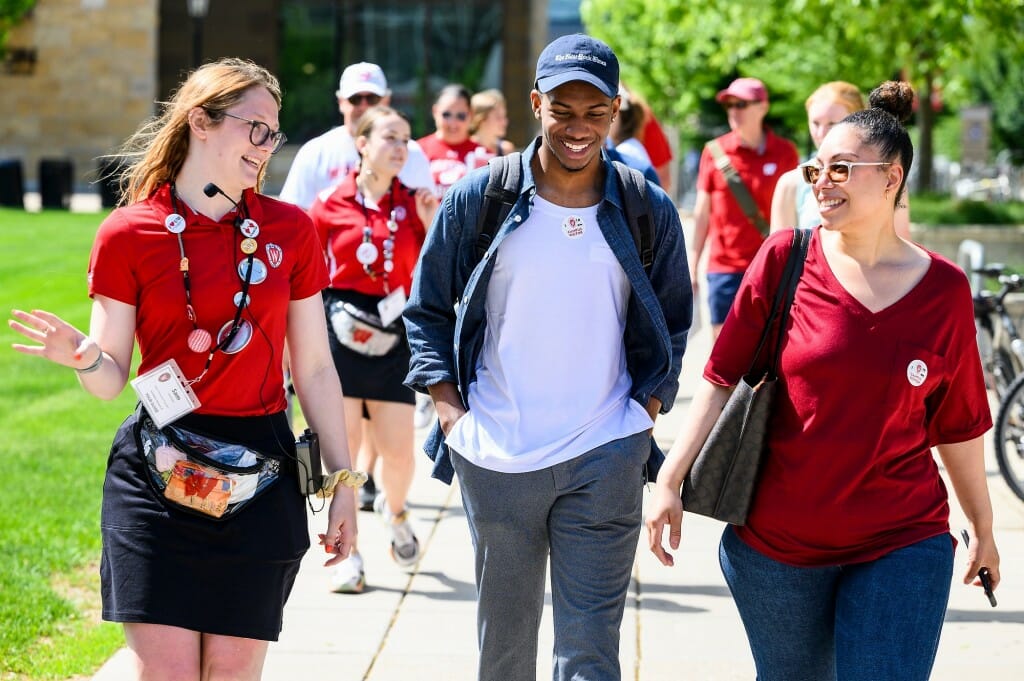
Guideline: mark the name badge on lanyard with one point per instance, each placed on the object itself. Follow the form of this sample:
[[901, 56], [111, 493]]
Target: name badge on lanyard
[[390, 308], [165, 394]]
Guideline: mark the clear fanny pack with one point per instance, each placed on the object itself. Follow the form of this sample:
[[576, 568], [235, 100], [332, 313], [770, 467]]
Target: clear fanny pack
[[362, 331], [203, 474]]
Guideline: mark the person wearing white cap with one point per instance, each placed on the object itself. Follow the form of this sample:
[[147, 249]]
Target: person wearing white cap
[[324, 161], [733, 215]]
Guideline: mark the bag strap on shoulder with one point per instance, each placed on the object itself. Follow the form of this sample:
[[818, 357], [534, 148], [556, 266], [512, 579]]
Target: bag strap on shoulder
[[782, 301], [738, 187], [633, 186], [499, 197]]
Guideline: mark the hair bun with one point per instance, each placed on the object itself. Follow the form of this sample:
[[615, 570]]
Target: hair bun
[[895, 97]]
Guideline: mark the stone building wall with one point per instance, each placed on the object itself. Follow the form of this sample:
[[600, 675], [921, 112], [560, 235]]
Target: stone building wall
[[93, 83]]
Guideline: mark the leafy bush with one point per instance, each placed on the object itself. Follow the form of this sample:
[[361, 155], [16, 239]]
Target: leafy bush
[[935, 209]]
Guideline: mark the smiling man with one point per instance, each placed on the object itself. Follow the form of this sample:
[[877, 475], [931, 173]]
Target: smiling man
[[547, 361]]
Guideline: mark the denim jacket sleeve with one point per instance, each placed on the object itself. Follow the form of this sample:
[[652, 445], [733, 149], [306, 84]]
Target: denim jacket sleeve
[[670, 280], [435, 314], [438, 283]]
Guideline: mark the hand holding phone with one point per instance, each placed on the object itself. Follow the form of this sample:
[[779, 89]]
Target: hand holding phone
[[983, 574]]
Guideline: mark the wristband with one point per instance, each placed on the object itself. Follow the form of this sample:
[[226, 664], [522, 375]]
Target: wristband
[[353, 479], [94, 366]]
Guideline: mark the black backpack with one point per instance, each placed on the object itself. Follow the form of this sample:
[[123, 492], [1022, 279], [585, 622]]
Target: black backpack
[[503, 190]]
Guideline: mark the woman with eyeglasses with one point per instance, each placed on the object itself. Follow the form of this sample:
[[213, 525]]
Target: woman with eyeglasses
[[794, 203], [843, 568], [212, 278], [371, 228], [449, 148]]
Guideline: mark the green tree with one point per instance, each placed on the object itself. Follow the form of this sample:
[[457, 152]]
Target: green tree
[[996, 78], [679, 52], [11, 12]]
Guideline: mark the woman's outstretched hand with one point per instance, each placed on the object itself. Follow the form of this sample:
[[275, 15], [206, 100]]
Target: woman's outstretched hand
[[54, 339]]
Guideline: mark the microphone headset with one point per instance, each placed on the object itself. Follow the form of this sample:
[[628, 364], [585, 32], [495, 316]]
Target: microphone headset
[[212, 190]]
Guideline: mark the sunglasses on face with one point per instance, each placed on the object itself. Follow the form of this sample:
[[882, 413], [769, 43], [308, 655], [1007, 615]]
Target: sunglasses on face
[[457, 115], [260, 132], [837, 171], [737, 104], [368, 97]]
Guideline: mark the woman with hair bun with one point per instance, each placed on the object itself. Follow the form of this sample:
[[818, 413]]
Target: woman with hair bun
[[843, 568], [794, 202]]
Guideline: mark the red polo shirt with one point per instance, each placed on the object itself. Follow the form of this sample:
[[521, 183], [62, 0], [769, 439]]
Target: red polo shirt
[[849, 474], [339, 218], [733, 237], [135, 260]]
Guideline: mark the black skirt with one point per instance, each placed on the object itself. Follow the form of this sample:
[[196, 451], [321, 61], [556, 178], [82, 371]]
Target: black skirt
[[369, 378], [164, 565]]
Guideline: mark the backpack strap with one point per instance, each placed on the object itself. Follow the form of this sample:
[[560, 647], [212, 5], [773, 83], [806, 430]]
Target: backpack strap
[[633, 186], [499, 197], [738, 188], [503, 185]]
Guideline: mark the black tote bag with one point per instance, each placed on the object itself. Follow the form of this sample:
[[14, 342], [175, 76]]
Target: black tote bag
[[722, 481]]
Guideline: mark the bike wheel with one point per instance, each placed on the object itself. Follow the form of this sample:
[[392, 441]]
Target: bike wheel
[[1009, 437], [1002, 370]]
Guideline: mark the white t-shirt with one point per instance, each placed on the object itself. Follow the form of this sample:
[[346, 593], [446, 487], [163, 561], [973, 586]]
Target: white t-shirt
[[551, 380], [324, 161]]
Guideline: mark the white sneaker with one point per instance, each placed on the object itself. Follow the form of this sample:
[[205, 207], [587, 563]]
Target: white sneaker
[[424, 414], [349, 576], [405, 547]]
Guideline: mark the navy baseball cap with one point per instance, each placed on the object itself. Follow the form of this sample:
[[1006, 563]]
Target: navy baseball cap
[[578, 57]]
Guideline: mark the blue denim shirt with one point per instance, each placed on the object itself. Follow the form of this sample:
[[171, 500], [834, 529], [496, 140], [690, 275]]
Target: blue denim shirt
[[445, 316]]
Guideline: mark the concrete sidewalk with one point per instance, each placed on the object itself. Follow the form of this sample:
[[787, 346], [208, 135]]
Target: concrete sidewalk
[[680, 622]]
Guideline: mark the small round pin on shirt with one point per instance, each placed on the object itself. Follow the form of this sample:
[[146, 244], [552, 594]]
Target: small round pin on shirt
[[174, 223]]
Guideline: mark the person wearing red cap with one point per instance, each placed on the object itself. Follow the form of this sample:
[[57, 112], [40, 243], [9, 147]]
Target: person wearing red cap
[[759, 158]]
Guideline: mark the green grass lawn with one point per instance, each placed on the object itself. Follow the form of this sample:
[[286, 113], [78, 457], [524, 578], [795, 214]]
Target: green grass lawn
[[54, 440]]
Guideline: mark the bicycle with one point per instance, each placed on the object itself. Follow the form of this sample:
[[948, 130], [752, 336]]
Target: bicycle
[[1002, 350], [1002, 353], [1009, 437]]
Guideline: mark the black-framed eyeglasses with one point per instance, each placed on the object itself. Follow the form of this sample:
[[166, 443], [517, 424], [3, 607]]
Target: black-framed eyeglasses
[[368, 97], [260, 132], [837, 171], [457, 115]]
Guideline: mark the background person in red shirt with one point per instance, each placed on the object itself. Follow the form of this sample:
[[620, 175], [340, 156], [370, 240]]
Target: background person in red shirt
[[760, 157], [371, 227], [659, 149], [449, 148], [843, 569], [198, 597]]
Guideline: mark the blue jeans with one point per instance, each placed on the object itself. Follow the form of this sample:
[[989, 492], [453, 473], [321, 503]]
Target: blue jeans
[[722, 288], [873, 621], [585, 514]]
